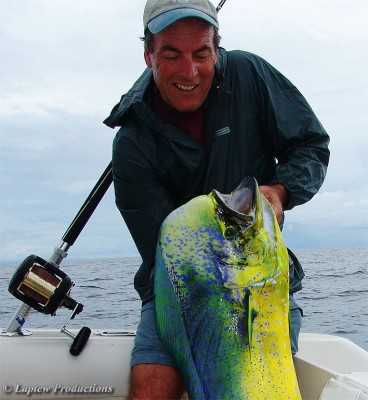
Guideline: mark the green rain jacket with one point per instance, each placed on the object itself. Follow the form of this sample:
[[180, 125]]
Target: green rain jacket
[[256, 124]]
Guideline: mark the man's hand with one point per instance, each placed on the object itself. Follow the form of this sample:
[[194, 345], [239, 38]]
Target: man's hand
[[277, 196]]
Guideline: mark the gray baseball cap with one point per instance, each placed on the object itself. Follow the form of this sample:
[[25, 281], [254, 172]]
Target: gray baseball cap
[[159, 14]]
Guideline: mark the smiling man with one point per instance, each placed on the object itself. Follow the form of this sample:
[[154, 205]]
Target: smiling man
[[202, 118]]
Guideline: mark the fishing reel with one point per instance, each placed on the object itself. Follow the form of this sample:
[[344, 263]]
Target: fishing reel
[[41, 285], [44, 287]]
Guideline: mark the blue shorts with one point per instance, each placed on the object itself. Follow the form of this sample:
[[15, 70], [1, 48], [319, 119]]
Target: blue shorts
[[148, 348]]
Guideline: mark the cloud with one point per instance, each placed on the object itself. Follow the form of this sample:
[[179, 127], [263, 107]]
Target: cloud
[[330, 219], [81, 186], [65, 64], [345, 210]]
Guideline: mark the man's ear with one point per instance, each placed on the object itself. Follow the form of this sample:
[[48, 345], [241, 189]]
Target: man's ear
[[147, 58]]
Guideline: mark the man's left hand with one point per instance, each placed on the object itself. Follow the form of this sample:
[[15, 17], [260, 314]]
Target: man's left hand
[[277, 195]]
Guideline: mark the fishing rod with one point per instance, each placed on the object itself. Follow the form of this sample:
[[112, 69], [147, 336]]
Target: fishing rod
[[219, 6], [42, 286]]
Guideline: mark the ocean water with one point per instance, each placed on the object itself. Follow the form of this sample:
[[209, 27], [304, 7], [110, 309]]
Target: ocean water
[[334, 296]]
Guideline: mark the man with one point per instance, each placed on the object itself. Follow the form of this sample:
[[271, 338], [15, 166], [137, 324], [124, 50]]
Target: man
[[201, 118]]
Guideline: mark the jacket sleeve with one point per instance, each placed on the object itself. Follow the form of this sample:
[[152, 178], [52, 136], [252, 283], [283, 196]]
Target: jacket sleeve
[[293, 134], [142, 201]]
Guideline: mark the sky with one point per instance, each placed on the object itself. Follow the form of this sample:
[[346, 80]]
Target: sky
[[66, 63]]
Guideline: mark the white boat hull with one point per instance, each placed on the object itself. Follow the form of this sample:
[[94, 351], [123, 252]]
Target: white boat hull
[[40, 366]]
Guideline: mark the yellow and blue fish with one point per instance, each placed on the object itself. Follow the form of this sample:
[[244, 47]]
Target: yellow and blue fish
[[222, 297]]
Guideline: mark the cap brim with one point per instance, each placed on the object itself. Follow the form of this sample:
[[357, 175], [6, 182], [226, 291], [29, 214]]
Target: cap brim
[[166, 19]]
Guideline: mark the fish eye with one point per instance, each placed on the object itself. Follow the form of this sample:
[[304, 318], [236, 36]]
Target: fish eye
[[230, 232]]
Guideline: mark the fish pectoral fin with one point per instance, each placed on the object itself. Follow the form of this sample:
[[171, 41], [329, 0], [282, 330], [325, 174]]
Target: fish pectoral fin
[[252, 314]]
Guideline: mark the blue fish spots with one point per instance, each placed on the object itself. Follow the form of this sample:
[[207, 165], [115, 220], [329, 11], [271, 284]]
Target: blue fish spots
[[221, 296]]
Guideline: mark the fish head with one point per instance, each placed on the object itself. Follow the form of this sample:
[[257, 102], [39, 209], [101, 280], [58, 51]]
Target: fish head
[[251, 236]]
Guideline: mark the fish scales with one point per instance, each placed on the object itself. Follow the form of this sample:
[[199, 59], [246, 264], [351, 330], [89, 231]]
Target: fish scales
[[221, 296]]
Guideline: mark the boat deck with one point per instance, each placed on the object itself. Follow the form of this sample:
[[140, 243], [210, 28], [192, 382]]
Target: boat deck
[[40, 366]]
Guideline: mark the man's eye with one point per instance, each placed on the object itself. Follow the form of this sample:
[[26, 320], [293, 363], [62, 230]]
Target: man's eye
[[171, 56], [201, 56]]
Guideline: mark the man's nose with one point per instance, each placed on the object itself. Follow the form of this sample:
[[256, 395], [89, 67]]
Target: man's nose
[[189, 68]]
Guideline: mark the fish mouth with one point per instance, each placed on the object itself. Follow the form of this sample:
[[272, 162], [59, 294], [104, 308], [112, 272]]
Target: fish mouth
[[240, 203]]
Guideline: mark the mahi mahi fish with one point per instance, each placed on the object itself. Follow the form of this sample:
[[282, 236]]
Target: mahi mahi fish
[[221, 297]]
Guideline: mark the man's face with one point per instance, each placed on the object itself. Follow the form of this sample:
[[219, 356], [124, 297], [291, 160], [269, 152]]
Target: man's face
[[183, 62]]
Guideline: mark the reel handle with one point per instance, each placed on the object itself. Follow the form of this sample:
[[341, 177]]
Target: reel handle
[[80, 341]]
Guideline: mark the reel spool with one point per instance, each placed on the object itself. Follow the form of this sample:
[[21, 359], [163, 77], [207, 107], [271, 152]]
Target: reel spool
[[46, 288], [42, 286]]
